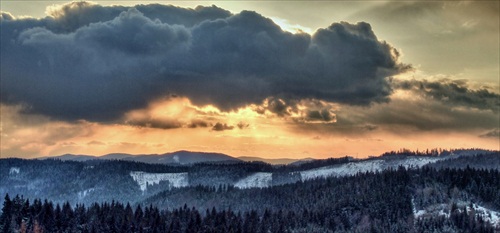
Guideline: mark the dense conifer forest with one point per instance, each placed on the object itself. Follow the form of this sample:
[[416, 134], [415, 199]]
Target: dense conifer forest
[[387, 201]]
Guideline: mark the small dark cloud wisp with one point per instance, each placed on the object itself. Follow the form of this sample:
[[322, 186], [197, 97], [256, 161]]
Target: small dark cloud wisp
[[221, 127], [492, 134]]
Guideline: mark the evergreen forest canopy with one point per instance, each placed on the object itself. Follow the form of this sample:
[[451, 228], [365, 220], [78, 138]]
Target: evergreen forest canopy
[[459, 194]]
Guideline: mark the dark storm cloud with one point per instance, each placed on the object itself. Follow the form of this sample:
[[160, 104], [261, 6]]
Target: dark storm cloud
[[403, 116], [93, 62], [423, 112], [420, 105], [453, 92]]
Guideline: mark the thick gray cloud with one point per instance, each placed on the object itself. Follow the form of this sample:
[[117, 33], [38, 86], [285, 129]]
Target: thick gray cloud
[[93, 62], [402, 116], [419, 105], [433, 105]]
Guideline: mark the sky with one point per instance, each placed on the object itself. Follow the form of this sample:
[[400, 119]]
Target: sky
[[272, 79]]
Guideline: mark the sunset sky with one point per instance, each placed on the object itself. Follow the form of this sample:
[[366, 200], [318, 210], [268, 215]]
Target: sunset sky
[[272, 79]]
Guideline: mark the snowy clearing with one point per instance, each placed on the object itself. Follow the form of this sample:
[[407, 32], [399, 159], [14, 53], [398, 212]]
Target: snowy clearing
[[415, 162], [442, 210], [144, 178], [488, 215]]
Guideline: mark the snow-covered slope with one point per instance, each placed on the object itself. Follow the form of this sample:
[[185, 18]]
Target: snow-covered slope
[[352, 168], [414, 162], [175, 179], [342, 170], [257, 180], [263, 179]]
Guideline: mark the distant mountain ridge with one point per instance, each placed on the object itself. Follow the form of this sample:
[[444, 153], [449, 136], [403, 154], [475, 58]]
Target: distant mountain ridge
[[275, 161], [181, 157], [184, 157]]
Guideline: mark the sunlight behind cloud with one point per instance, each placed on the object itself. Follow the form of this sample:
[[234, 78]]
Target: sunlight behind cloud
[[293, 28]]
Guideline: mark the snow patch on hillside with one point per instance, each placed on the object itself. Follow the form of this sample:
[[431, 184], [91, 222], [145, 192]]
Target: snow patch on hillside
[[84, 193], [488, 215], [352, 168], [436, 210], [415, 162], [442, 209], [257, 180], [14, 171], [144, 179]]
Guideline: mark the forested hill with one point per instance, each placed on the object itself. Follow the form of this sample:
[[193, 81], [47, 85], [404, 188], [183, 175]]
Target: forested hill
[[391, 193], [127, 181], [417, 200]]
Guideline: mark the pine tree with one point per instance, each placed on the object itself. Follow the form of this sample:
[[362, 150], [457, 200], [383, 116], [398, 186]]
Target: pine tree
[[6, 217]]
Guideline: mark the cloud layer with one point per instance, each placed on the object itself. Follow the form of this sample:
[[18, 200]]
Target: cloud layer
[[452, 92], [86, 61]]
